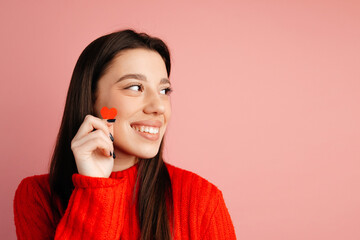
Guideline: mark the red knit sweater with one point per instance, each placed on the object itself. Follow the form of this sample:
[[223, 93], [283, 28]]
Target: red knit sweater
[[100, 208]]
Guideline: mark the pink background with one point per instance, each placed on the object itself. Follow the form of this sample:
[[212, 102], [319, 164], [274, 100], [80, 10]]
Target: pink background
[[266, 102]]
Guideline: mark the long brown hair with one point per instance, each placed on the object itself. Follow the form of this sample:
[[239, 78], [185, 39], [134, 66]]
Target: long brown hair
[[155, 189]]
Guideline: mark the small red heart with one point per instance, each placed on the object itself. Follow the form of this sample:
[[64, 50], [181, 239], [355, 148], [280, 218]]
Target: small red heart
[[107, 113]]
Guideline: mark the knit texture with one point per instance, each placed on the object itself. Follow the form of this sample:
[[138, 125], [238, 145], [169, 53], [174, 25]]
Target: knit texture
[[101, 208]]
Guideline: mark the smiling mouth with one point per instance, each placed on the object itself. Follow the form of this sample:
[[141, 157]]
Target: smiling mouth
[[149, 133], [146, 129]]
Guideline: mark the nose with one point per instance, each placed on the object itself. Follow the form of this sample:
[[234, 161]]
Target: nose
[[154, 103]]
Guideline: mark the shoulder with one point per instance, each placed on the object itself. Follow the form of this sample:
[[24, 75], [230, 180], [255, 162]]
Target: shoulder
[[193, 184], [34, 187], [186, 176], [200, 206], [35, 181], [195, 198], [33, 212]]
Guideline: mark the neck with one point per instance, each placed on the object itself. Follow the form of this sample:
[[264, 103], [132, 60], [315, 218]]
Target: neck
[[122, 164]]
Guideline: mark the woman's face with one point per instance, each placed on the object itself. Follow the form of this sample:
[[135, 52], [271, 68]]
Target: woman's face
[[136, 84]]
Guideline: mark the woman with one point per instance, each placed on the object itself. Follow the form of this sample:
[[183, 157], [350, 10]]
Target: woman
[[107, 179]]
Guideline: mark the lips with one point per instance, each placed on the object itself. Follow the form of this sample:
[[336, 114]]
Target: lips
[[148, 123]]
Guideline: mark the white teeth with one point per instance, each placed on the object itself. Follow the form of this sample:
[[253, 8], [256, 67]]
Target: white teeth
[[151, 130]]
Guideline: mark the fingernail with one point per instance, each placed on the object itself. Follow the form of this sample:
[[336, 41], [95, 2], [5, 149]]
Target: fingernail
[[111, 137], [111, 120], [110, 154], [114, 155]]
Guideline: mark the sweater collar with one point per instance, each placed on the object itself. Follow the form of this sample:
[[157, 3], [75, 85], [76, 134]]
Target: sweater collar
[[131, 171]]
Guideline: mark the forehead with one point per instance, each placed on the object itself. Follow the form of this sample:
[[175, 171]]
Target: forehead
[[138, 59]]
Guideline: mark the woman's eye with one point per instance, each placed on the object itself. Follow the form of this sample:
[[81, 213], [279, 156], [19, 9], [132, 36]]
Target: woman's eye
[[167, 90], [134, 87]]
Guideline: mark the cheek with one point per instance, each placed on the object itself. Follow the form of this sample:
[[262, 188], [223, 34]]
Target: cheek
[[125, 110], [122, 104]]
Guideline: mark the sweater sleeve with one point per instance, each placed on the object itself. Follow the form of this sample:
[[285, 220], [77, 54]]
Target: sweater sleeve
[[220, 226], [95, 209]]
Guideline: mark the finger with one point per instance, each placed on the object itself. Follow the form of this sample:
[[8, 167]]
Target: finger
[[90, 123], [96, 140], [98, 134]]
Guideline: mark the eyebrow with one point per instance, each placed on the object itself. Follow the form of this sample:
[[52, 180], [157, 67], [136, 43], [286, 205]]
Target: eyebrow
[[140, 77]]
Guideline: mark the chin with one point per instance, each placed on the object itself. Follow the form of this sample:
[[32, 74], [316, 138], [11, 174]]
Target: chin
[[140, 150], [147, 154]]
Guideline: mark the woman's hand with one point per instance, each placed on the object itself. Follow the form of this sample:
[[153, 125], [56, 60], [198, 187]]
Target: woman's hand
[[92, 147]]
